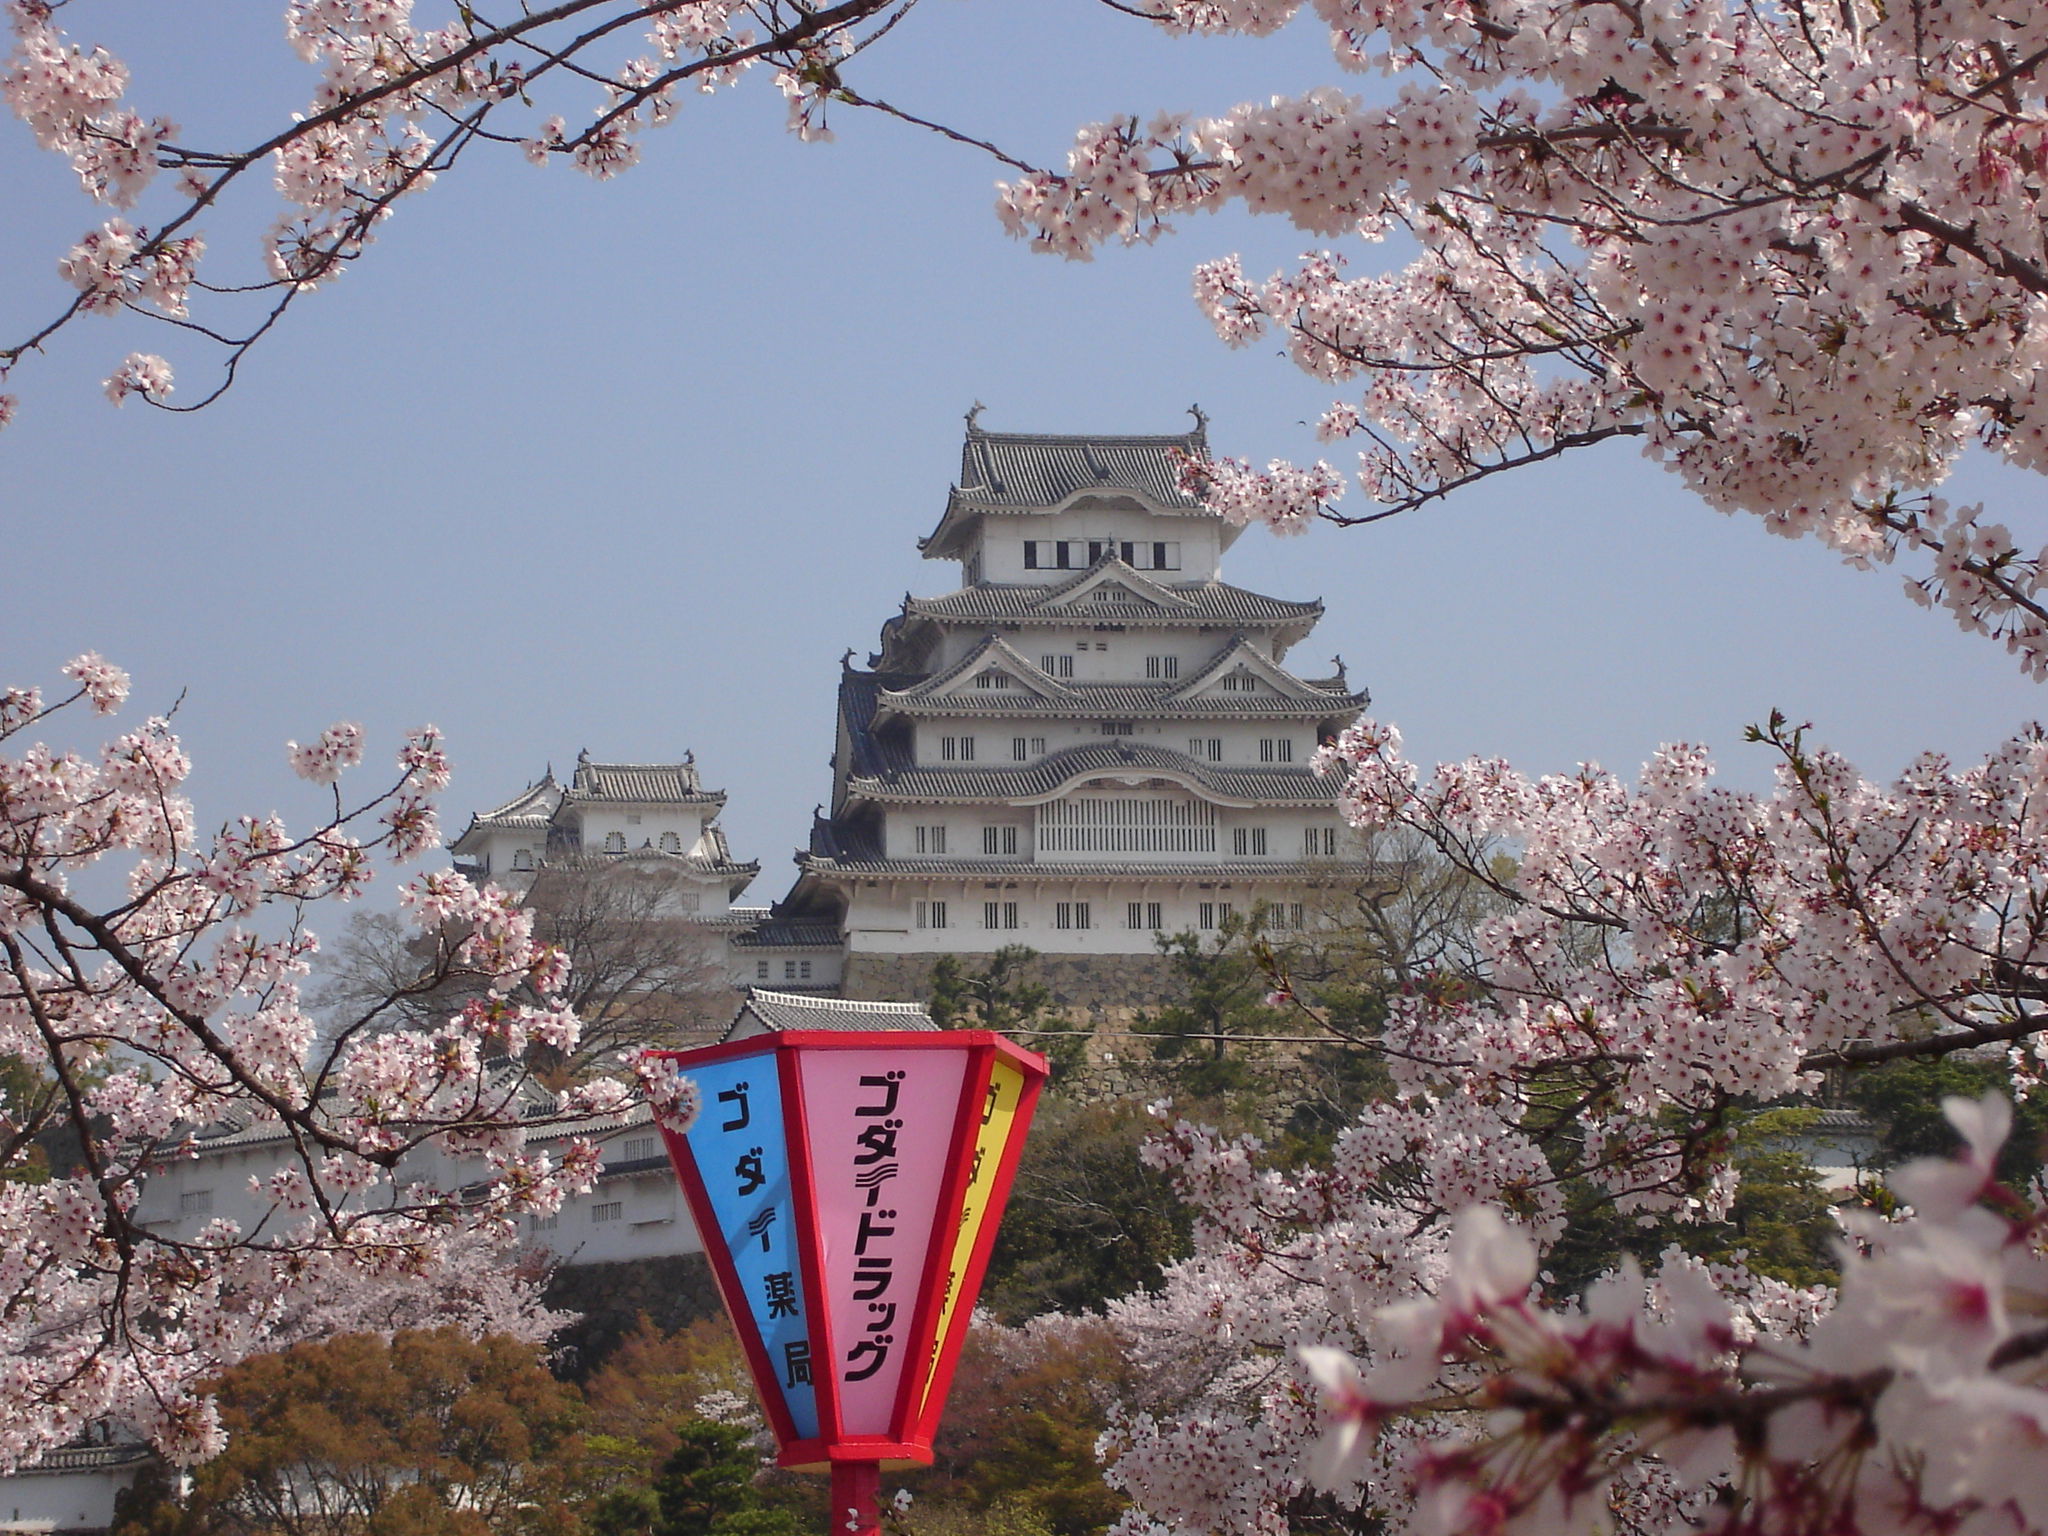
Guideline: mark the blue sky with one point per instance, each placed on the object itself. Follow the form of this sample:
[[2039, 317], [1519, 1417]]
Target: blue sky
[[628, 467]]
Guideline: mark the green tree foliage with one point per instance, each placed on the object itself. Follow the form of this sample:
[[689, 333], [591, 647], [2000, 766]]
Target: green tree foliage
[[999, 996], [1782, 1217], [1208, 1033], [707, 1487], [1087, 1221], [1904, 1099], [428, 1434]]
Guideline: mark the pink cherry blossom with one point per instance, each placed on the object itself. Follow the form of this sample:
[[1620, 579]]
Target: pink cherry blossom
[[170, 1003]]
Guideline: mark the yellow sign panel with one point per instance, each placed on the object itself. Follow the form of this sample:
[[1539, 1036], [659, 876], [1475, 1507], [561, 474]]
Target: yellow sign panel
[[998, 1115]]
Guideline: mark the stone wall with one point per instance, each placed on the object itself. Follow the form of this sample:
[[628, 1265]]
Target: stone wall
[[1100, 989]]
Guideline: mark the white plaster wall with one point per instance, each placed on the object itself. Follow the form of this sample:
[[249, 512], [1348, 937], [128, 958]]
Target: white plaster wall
[[34, 1502], [599, 822], [1113, 655], [1002, 541], [881, 919], [995, 739], [826, 967], [653, 1223]]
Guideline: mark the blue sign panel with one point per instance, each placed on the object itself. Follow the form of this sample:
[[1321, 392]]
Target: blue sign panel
[[744, 1162]]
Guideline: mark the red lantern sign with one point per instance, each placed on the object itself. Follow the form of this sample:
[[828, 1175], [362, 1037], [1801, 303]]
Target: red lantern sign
[[847, 1186]]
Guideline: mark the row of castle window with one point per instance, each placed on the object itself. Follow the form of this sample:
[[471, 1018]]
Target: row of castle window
[[1079, 554], [1074, 916], [614, 842], [792, 970], [1245, 842], [1058, 664], [960, 749]]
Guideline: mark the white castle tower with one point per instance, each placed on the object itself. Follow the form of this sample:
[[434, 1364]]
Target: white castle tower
[[654, 821], [1092, 741]]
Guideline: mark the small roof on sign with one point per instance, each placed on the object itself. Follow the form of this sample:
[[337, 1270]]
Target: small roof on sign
[[766, 1012]]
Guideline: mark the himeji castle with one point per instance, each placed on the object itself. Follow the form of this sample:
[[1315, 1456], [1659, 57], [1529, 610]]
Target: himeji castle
[[1093, 740]]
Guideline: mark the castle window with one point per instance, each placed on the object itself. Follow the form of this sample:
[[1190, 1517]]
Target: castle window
[[1248, 841], [760, 970], [1143, 914], [615, 842], [195, 1202], [1056, 666], [608, 1210], [992, 679], [522, 858], [1117, 728], [956, 749], [931, 839], [1277, 750], [1162, 667], [931, 914], [1126, 824], [1240, 682], [637, 1147], [999, 914], [1151, 555], [998, 840], [1070, 914], [1018, 749], [1208, 748], [1038, 746], [671, 843], [1319, 842], [1212, 915]]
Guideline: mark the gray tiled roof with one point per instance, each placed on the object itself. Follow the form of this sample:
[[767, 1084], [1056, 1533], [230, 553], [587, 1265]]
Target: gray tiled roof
[[528, 811], [88, 1458], [1207, 602], [798, 1010], [1301, 871], [1027, 469], [1029, 472], [1288, 785], [1123, 701], [639, 784], [779, 933]]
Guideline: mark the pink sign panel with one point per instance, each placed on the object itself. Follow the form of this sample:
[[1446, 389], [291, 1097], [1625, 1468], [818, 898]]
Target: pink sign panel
[[879, 1126]]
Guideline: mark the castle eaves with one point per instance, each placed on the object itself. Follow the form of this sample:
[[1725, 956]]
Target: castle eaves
[[1203, 603], [1246, 786]]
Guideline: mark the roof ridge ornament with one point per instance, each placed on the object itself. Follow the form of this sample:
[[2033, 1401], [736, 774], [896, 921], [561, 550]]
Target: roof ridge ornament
[[1201, 419], [973, 412]]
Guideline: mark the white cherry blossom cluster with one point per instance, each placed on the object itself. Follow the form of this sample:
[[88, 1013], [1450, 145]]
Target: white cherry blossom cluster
[[1795, 252], [168, 1004], [1666, 953], [396, 103], [1914, 1403]]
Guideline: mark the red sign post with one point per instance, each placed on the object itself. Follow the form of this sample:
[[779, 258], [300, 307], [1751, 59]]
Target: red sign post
[[847, 1186]]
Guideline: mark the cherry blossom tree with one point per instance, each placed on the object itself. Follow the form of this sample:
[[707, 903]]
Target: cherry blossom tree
[[395, 105], [1377, 1335], [1796, 251], [149, 987], [1793, 249]]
